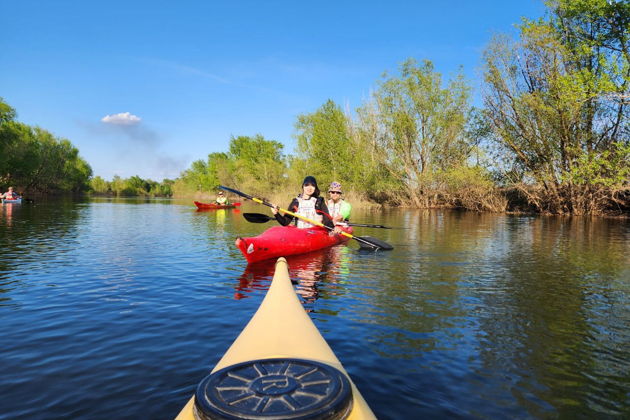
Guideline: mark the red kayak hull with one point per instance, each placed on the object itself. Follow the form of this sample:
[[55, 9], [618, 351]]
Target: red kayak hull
[[205, 206], [281, 241]]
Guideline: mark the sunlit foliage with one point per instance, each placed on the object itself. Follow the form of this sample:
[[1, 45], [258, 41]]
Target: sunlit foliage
[[558, 102], [34, 160], [252, 163], [131, 187]]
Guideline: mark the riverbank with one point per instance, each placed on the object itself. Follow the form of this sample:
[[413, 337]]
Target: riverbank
[[513, 200]]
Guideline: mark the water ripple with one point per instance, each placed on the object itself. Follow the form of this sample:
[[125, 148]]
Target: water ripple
[[118, 309]]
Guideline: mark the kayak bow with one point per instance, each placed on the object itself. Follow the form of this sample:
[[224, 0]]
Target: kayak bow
[[279, 367]]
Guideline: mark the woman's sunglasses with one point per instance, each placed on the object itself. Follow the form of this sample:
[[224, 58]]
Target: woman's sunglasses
[[334, 192]]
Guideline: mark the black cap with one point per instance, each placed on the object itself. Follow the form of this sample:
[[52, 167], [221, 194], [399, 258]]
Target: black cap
[[311, 180]]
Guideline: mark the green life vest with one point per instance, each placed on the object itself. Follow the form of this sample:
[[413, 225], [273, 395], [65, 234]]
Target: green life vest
[[342, 208]]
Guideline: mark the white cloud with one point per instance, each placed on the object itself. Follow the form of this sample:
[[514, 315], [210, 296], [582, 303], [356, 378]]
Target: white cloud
[[123, 118]]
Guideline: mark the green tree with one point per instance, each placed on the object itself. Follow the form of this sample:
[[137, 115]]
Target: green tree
[[417, 128], [324, 143], [117, 185], [7, 113], [257, 163], [199, 177], [252, 163], [137, 185], [8, 137], [557, 101], [221, 167], [99, 185], [133, 186], [164, 188], [36, 160]]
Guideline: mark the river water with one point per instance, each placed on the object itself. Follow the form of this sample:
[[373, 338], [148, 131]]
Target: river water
[[114, 309]]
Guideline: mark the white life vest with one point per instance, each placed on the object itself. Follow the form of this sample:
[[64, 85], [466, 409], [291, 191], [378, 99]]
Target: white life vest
[[334, 208], [307, 209]]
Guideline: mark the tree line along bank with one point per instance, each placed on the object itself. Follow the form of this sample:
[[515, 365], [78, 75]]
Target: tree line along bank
[[553, 135]]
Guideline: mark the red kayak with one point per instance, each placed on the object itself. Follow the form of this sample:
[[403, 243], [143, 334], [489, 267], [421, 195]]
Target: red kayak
[[212, 206], [281, 241]]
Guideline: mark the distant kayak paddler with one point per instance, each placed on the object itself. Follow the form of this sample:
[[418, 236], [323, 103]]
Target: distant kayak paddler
[[10, 195], [222, 199]]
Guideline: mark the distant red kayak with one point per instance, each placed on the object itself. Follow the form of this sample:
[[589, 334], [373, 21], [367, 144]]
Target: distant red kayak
[[211, 206], [281, 241]]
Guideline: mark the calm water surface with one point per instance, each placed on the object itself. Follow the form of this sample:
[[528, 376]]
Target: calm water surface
[[117, 309]]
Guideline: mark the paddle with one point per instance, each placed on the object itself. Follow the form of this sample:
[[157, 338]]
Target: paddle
[[257, 217], [370, 242], [263, 218], [367, 225]]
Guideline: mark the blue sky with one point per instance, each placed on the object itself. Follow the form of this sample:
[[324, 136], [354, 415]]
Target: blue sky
[[186, 76]]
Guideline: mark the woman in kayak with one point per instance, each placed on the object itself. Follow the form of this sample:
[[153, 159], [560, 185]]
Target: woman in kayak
[[222, 199], [9, 195], [308, 204], [339, 208]]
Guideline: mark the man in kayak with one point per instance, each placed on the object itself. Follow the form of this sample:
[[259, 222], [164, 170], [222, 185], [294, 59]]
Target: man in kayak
[[222, 199], [339, 208], [308, 204], [10, 195]]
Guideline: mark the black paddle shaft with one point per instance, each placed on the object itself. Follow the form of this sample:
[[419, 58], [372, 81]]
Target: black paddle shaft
[[263, 218]]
